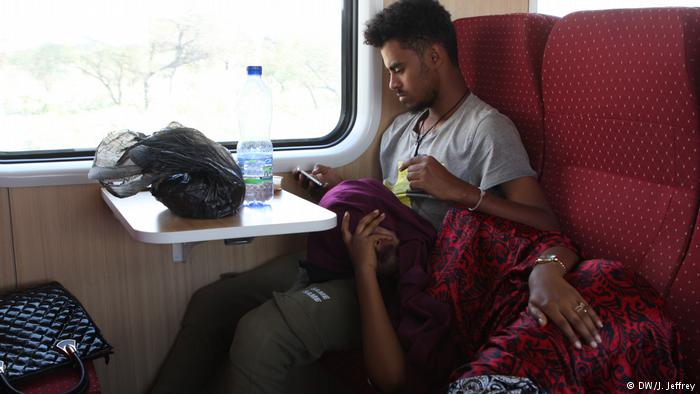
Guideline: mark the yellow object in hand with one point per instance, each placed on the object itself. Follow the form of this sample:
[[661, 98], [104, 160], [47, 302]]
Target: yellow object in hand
[[401, 187]]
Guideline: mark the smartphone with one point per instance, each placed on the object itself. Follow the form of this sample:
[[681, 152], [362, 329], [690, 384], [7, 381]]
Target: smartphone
[[311, 178]]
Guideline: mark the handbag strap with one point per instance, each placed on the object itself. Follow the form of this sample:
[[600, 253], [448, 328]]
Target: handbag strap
[[4, 383], [70, 349]]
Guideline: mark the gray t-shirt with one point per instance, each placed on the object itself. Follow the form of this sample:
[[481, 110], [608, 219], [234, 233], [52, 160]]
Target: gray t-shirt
[[477, 144]]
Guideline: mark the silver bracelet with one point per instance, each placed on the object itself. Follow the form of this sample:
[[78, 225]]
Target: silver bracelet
[[481, 198]]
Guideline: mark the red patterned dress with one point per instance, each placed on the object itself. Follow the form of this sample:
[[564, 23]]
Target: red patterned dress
[[480, 268]]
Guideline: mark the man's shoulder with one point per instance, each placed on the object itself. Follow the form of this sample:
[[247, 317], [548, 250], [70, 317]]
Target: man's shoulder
[[488, 117], [479, 108]]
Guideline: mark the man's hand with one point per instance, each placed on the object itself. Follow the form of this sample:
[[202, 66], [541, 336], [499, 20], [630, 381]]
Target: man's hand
[[427, 174], [365, 241], [328, 177], [553, 298]]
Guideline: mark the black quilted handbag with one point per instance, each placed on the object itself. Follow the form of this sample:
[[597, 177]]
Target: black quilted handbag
[[43, 328]]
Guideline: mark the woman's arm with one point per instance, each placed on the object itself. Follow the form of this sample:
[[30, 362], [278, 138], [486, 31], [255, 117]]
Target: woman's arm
[[382, 350]]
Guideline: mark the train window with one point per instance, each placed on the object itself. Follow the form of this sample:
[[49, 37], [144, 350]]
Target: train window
[[71, 71], [563, 7]]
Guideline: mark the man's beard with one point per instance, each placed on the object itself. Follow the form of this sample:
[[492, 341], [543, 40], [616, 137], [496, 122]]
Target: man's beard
[[424, 104], [430, 97]]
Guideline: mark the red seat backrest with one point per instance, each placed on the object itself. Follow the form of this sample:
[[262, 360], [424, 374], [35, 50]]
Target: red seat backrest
[[501, 59], [684, 297], [622, 136]]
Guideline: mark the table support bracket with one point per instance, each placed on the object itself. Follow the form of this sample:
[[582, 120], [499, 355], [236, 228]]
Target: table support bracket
[[179, 251], [238, 241], [182, 250]]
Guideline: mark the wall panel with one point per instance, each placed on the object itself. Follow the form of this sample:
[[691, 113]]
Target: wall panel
[[133, 290], [466, 8], [7, 258]]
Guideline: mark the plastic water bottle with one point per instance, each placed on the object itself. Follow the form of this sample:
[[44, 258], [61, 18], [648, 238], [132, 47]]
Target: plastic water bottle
[[254, 150]]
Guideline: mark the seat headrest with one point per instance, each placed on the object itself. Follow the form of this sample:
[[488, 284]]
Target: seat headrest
[[622, 134], [635, 71], [501, 60]]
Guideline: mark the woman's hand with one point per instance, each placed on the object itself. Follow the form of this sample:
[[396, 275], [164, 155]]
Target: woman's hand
[[553, 298], [365, 241]]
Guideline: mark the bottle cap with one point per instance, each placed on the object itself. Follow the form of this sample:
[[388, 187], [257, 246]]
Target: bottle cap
[[254, 70]]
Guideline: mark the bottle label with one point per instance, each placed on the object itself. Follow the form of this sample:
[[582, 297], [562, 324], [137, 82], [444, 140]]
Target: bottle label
[[256, 170], [257, 175], [256, 180]]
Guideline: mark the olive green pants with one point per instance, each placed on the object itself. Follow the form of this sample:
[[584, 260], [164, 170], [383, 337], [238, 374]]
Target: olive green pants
[[293, 329], [279, 321], [210, 321]]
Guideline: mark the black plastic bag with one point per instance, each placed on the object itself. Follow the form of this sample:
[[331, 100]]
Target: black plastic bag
[[189, 173]]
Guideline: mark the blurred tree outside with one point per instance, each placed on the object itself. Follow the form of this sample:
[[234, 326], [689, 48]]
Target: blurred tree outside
[[165, 56], [187, 70], [109, 66]]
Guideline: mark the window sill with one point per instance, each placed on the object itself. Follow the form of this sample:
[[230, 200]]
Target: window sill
[[75, 172]]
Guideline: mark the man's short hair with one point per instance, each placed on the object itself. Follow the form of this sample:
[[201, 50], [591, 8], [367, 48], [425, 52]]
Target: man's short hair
[[416, 25]]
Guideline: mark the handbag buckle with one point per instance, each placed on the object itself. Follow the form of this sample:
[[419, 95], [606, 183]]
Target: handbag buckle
[[67, 346]]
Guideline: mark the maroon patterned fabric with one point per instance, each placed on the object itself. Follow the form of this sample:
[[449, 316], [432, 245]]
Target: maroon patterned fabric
[[501, 59], [480, 267]]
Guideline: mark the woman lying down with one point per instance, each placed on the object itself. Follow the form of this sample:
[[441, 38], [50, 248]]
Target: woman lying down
[[455, 314]]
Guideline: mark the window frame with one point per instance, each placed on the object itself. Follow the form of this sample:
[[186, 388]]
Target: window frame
[[354, 133], [532, 6]]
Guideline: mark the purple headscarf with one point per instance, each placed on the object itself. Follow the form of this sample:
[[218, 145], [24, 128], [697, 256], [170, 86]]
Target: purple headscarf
[[423, 323]]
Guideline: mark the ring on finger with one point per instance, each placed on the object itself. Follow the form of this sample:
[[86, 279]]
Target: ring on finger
[[581, 307]]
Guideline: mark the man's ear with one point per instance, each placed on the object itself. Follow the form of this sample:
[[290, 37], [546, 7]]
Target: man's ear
[[437, 54]]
